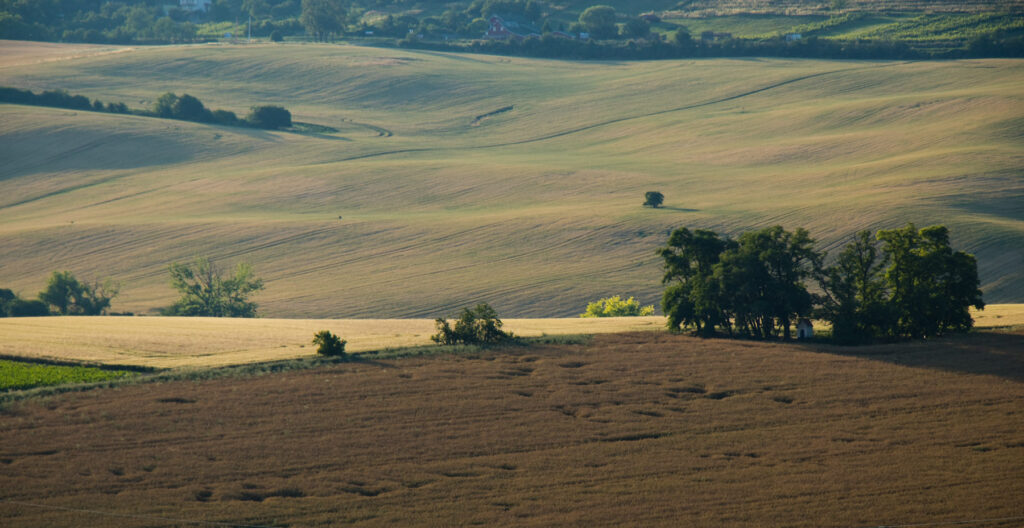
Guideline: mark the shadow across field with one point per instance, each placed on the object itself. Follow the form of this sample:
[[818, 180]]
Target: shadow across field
[[679, 209], [988, 353]]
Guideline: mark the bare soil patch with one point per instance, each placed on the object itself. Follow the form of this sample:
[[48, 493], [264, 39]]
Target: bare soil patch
[[634, 429]]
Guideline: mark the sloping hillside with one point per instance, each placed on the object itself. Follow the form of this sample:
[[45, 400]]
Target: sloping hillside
[[415, 207]]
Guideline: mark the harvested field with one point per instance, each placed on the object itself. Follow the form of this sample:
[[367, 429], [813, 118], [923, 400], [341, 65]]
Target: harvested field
[[171, 342], [23, 52], [644, 429]]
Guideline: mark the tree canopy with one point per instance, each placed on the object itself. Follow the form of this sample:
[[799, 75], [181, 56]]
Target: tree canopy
[[599, 21], [68, 296], [903, 283], [653, 199], [206, 290]]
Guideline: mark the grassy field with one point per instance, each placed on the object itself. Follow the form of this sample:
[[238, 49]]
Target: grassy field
[[415, 208], [644, 429]]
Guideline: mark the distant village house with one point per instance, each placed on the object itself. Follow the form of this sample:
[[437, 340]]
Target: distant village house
[[713, 35], [195, 5], [499, 29]]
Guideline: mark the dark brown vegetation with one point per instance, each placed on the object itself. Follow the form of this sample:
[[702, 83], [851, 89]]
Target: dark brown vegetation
[[640, 429]]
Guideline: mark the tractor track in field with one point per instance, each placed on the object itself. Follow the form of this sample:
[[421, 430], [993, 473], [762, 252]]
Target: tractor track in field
[[592, 126], [537, 250]]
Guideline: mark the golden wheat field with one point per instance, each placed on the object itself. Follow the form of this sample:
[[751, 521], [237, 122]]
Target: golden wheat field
[[645, 429], [424, 200], [196, 342], [171, 342]]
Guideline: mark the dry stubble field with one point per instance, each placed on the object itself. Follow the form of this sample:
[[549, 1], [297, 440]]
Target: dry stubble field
[[644, 429]]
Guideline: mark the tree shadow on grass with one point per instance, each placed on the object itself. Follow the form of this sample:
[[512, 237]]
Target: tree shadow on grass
[[989, 353], [679, 209]]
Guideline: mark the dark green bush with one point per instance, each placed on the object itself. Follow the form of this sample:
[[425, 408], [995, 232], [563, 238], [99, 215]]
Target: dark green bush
[[269, 117], [329, 344], [479, 326], [24, 308]]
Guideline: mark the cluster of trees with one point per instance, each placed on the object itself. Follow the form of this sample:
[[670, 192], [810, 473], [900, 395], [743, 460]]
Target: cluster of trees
[[189, 108], [206, 290], [474, 326], [168, 106], [617, 36], [64, 295], [97, 21], [900, 283], [615, 306], [682, 45]]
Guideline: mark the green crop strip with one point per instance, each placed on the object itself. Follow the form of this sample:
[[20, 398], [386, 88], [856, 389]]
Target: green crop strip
[[17, 375]]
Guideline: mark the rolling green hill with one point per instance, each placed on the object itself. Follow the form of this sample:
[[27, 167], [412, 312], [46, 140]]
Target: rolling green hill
[[415, 207]]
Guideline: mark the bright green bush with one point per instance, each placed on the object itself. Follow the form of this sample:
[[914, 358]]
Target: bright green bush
[[616, 307]]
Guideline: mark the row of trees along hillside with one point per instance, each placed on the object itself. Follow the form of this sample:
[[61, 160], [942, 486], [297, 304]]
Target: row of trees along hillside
[[168, 106], [460, 25], [64, 295], [899, 283], [206, 290]]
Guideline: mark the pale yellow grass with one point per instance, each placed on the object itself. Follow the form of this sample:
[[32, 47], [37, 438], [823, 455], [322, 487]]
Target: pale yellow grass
[[22, 52], [175, 342]]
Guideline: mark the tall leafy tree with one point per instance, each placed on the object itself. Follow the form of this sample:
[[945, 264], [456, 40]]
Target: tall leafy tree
[[322, 18], [692, 296], [68, 296], [932, 287], [599, 21], [206, 290], [855, 292]]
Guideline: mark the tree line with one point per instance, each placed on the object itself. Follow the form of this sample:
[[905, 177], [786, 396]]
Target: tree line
[[451, 26], [168, 106], [897, 283], [205, 288]]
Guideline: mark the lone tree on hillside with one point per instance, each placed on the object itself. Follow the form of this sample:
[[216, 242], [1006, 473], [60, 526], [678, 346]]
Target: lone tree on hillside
[[653, 199], [206, 290]]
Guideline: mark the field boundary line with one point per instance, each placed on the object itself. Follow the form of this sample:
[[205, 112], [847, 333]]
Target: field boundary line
[[133, 515], [943, 523]]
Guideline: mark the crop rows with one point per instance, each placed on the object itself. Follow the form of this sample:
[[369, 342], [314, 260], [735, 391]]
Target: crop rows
[[17, 375]]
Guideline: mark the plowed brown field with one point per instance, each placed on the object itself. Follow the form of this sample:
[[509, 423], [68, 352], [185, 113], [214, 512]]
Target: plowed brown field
[[644, 429]]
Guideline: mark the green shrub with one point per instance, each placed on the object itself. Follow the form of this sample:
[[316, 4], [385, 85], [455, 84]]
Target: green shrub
[[479, 326], [276, 36], [616, 307], [329, 344], [24, 308]]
